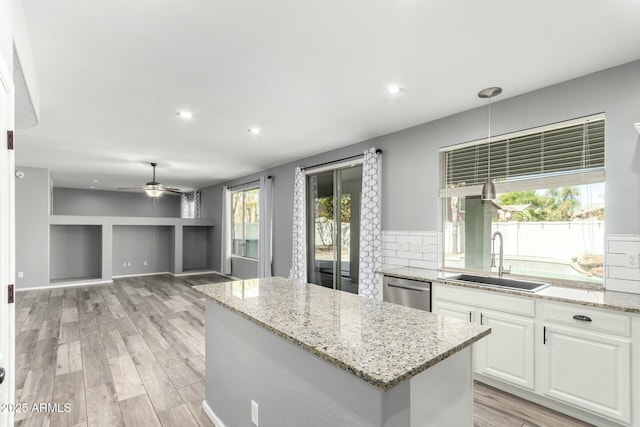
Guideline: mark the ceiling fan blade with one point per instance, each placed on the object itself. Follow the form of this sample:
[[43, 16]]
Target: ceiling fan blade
[[153, 185], [172, 190]]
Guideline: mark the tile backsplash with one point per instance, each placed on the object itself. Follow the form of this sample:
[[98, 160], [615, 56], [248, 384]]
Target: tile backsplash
[[410, 249], [622, 258]]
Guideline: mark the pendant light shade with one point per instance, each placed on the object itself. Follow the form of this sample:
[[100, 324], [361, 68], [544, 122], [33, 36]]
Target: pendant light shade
[[488, 188]]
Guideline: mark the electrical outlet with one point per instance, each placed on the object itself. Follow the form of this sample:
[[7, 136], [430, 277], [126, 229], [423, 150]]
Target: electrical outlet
[[20, 274], [128, 264], [124, 264], [254, 413], [145, 263], [633, 260]]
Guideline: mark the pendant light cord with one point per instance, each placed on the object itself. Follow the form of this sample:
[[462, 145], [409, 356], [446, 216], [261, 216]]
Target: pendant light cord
[[489, 145]]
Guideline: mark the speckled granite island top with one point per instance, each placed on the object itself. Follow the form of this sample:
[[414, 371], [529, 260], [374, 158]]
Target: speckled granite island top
[[382, 343], [601, 298]]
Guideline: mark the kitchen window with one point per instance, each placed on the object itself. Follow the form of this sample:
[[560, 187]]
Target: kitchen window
[[245, 218], [549, 207]]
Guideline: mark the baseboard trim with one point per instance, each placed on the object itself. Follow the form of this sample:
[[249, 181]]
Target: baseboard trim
[[65, 285], [104, 282], [196, 273], [124, 276], [212, 416]]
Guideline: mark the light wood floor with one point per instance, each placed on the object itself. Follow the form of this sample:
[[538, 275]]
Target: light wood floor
[[132, 353]]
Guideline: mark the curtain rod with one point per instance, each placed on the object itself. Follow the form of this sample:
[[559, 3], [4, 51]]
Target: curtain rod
[[246, 183], [357, 156]]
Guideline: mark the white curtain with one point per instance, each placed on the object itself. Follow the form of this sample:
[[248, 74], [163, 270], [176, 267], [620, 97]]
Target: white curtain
[[314, 276], [299, 247], [197, 203], [185, 209], [266, 221], [225, 262], [370, 225], [184, 206]]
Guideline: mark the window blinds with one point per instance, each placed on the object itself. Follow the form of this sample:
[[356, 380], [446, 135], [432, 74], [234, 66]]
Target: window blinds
[[563, 155]]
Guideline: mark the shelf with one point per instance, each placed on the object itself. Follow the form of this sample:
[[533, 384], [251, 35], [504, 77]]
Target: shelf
[[76, 279], [83, 248], [75, 252], [126, 220]]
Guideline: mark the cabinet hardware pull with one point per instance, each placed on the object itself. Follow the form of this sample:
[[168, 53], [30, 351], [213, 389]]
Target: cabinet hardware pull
[[470, 315], [544, 335], [582, 318], [481, 315]]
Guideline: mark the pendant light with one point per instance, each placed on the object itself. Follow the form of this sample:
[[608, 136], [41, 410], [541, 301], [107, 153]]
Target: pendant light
[[488, 188]]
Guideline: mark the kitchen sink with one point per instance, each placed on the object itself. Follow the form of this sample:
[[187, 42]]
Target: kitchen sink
[[500, 282]]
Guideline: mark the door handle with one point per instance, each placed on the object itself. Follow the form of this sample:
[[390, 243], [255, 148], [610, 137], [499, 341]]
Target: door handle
[[2, 374], [405, 287]]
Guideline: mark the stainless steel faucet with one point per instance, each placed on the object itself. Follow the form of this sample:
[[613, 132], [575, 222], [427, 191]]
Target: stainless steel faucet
[[501, 270]]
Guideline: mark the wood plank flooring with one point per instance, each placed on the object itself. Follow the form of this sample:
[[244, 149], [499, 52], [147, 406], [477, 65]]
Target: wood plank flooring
[[131, 353]]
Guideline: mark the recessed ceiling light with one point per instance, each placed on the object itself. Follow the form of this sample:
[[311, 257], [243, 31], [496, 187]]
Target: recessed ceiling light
[[95, 181], [394, 90], [92, 187], [254, 131], [187, 115]]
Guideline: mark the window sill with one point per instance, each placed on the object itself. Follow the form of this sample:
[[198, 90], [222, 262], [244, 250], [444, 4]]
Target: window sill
[[246, 258]]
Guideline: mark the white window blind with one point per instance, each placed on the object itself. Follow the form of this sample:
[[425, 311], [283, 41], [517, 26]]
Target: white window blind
[[563, 155]]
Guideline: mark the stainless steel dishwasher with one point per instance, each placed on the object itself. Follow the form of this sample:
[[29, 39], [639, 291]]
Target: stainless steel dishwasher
[[410, 293]]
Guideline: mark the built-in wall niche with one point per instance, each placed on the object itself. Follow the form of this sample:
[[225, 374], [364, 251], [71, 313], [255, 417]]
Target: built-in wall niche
[[197, 248], [75, 253], [142, 249]]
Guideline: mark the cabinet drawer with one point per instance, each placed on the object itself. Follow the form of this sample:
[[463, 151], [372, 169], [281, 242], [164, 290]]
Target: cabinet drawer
[[486, 299], [586, 318]]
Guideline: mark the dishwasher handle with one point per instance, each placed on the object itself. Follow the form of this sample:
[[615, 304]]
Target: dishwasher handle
[[411, 288]]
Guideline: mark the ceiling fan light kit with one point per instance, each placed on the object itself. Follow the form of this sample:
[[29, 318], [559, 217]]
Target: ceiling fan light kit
[[153, 192], [153, 188]]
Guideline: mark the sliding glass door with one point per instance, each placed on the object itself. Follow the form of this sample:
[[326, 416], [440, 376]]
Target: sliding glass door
[[333, 231]]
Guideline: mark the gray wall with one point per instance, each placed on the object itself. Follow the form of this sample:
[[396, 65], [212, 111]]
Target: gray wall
[[32, 227], [285, 380], [196, 248], [72, 201], [243, 268], [139, 243], [76, 252], [410, 158]]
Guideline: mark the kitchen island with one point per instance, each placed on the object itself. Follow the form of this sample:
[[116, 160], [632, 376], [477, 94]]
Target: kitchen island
[[298, 354]]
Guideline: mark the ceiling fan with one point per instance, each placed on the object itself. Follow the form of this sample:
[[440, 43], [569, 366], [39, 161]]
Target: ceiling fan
[[153, 188]]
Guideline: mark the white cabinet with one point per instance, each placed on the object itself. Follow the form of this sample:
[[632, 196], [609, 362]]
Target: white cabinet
[[507, 353], [452, 310], [587, 364], [584, 360]]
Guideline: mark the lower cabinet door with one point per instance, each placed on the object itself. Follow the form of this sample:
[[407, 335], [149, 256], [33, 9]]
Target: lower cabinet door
[[507, 353], [589, 370]]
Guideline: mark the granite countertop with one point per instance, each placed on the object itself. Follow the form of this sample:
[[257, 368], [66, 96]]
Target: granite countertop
[[382, 343], [601, 298]]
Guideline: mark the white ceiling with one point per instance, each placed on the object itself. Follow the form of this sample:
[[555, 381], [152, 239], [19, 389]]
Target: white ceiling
[[311, 74]]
